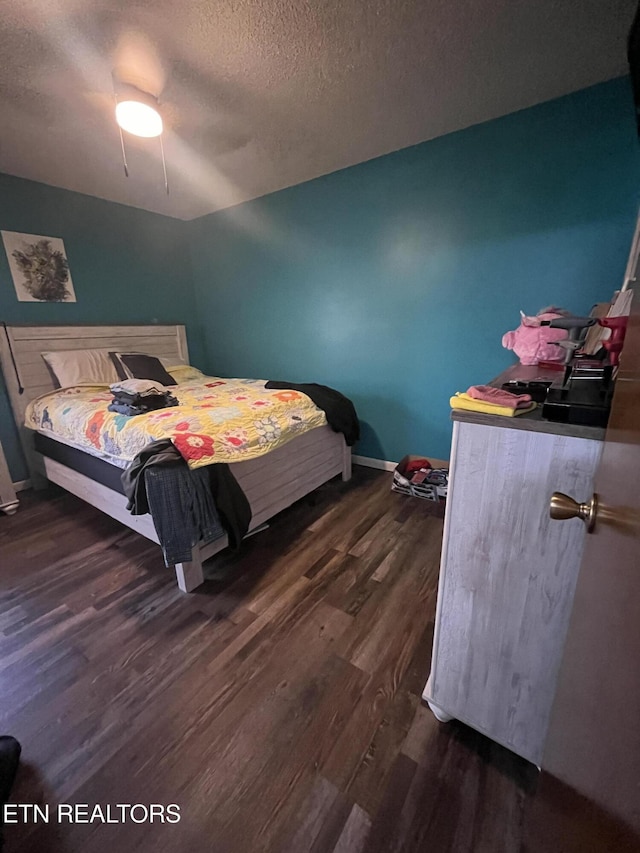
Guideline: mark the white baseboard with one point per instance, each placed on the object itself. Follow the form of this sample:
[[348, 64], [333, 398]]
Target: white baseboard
[[370, 462], [21, 485], [385, 465]]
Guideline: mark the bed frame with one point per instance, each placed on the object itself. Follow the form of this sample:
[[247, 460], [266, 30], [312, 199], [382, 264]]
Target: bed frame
[[271, 482]]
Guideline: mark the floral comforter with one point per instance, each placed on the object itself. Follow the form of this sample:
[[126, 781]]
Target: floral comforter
[[218, 420]]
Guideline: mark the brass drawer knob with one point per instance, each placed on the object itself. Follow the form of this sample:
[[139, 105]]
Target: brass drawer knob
[[563, 507]]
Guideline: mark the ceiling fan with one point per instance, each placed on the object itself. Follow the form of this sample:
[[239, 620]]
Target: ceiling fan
[[138, 74], [150, 100]]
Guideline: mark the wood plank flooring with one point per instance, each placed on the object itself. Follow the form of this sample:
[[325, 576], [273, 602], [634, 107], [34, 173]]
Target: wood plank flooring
[[279, 706]]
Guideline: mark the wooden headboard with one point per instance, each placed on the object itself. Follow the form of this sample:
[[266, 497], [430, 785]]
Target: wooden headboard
[[29, 342]]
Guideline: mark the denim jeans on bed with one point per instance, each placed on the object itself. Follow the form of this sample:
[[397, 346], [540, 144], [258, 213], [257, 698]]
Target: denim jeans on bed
[[182, 509]]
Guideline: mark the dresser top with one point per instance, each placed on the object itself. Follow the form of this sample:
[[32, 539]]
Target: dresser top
[[533, 421]]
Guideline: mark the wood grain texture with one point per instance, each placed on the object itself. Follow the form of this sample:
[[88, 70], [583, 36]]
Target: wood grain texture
[[271, 483], [278, 706], [508, 579]]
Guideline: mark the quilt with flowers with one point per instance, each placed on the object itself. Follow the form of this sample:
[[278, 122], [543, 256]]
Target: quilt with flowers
[[217, 420]]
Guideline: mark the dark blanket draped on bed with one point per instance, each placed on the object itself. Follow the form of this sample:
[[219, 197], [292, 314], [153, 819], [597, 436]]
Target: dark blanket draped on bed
[[187, 506], [340, 411]]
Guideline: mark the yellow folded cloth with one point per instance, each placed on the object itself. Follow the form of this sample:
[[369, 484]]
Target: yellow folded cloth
[[469, 404]]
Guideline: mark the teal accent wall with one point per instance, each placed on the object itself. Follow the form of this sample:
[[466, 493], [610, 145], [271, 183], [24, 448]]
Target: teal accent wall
[[127, 266], [394, 280]]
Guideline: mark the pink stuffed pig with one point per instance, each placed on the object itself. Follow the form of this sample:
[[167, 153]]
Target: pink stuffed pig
[[532, 342]]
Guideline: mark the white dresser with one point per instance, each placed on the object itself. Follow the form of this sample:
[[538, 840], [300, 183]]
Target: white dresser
[[508, 573], [8, 499]]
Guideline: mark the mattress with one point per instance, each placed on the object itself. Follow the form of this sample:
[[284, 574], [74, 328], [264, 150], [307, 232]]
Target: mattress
[[99, 470]]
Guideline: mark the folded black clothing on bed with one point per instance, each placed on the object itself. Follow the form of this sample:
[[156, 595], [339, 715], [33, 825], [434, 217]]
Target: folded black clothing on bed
[[195, 506], [154, 399], [140, 404], [340, 411]]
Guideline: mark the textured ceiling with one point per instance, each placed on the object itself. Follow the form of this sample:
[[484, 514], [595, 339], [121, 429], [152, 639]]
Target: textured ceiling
[[263, 94]]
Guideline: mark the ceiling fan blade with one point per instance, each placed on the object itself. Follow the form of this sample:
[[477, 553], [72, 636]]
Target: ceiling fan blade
[[137, 62]]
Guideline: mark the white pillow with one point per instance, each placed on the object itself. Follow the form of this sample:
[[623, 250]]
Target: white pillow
[[80, 366]]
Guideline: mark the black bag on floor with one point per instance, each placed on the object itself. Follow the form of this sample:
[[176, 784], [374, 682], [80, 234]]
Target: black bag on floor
[[10, 751]]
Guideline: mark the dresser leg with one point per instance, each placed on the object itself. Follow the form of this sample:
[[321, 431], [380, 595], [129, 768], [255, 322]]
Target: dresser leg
[[437, 712]]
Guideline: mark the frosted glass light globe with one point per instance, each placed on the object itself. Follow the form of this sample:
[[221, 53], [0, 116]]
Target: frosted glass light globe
[[139, 119]]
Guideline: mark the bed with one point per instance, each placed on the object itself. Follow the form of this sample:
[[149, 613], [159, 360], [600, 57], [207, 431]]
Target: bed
[[271, 481]]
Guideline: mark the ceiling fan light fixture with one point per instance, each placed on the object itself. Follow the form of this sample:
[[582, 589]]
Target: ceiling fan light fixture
[[137, 112], [138, 118]]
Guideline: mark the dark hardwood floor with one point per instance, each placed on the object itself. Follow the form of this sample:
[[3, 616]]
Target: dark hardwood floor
[[278, 706]]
